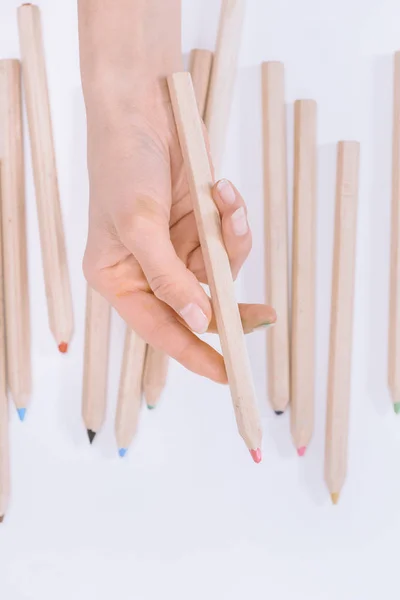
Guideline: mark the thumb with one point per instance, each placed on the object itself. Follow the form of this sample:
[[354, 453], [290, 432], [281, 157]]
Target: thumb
[[146, 234]]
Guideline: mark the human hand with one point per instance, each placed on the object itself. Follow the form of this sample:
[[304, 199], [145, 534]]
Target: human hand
[[143, 252]]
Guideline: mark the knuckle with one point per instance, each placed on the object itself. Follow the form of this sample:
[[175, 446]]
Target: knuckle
[[162, 287]]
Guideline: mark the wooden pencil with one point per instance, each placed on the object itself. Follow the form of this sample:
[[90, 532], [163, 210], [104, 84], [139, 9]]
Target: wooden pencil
[[223, 75], [200, 70], [16, 289], [276, 232], [154, 376], [156, 363], [339, 378], [95, 368], [303, 276], [4, 437], [56, 276], [394, 308], [218, 269], [130, 391]]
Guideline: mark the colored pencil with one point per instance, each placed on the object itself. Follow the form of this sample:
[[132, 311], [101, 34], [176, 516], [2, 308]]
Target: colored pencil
[[130, 391], [95, 369], [156, 363], [276, 232], [339, 379], [394, 308], [200, 70], [154, 376], [303, 276], [223, 75], [56, 276], [16, 289], [4, 438], [198, 169]]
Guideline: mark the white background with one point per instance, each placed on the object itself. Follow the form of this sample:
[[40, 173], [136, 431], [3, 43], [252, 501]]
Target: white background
[[187, 515]]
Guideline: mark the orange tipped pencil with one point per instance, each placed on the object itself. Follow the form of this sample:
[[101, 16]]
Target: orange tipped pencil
[[200, 70], [190, 131], [223, 76], [339, 379], [16, 289], [55, 268], [276, 232], [95, 369], [4, 438], [130, 391], [394, 309], [303, 276]]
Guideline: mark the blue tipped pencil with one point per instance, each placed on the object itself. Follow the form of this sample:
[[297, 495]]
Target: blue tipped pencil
[[130, 391]]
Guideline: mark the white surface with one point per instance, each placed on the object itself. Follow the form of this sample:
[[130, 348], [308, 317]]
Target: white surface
[[187, 516]]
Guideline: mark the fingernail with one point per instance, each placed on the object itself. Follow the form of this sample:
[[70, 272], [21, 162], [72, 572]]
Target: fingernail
[[226, 191], [265, 325], [239, 222], [195, 318]]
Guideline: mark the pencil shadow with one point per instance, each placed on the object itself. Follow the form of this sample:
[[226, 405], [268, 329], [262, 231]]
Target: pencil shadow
[[379, 253], [311, 468]]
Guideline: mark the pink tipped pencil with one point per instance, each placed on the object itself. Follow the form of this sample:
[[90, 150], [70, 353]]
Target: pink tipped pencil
[[198, 169]]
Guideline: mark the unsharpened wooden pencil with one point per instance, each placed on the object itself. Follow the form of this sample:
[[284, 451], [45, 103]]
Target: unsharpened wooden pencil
[[95, 368], [276, 232], [198, 169], [4, 438], [394, 308], [200, 70], [16, 290], [156, 363], [55, 267], [130, 391], [339, 378], [303, 276], [223, 76]]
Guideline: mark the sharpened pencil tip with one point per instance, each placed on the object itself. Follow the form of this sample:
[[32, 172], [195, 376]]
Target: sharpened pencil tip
[[150, 407], [1, 519], [21, 413], [256, 455], [91, 435], [63, 347], [279, 412], [122, 452], [301, 451], [397, 408], [335, 497]]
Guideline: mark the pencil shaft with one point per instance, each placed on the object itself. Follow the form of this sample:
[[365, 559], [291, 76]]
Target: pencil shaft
[[16, 289], [339, 378], [130, 389], [4, 437], [155, 375], [303, 283], [200, 70], [223, 76], [215, 257], [95, 374], [394, 309], [276, 231], [52, 240]]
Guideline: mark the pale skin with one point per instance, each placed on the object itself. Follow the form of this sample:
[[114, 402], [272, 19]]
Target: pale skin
[[143, 252]]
